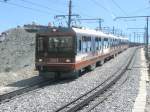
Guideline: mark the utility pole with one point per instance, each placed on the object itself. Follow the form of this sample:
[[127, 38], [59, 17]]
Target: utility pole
[[100, 23], [138, 36], [70, 15], [134, 36], [130, 37], [147, 38], [70, 12], [95, 19], [113, 30]]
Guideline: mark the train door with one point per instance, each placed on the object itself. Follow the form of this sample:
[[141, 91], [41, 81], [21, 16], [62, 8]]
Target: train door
[[79, 48], [41, 46]]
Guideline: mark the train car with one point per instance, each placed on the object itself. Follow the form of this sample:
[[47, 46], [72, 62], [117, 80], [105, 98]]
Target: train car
[[70, 50]]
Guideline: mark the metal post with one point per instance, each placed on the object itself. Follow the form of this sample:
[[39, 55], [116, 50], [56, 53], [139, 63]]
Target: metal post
[[113, 30], [69, 17], [134, 37], [137, 38], [130, 37], [95, 19], [100, 24], [147, 37]]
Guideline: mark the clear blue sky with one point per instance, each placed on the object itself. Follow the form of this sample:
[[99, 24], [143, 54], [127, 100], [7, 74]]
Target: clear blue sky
[[19, 12]]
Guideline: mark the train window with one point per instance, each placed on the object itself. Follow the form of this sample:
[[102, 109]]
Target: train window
[[79, 45], [60, 43], [105, 39], [89, 46], [86, 43], [96, 43], [99, 41], [108, 43], [40, 44], [111, 42], [105, 42]]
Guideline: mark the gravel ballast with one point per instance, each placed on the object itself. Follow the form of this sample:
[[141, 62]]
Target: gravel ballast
[[124, 98], [148, 98], [54, 96]]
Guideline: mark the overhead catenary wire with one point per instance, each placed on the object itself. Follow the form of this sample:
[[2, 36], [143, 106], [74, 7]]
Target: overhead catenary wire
[[101, 6], [98, 4], [83, 13], [117, 5], [25, 7], [139, 10], [41, 6], [59, 2]]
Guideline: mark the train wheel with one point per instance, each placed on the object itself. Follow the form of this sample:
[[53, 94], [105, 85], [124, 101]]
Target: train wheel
[[57, 76], [91, 67], [100, 63], [46, 75], [42, 74], [76, 74]]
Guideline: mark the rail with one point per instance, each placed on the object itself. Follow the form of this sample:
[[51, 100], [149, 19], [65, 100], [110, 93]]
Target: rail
[[84, 99], [7, 96]]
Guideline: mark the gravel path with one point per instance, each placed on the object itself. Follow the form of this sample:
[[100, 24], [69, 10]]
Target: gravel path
[[52, 97]]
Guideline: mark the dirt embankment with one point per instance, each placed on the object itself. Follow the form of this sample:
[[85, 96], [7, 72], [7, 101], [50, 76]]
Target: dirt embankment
[[17, 51], [17, 54]]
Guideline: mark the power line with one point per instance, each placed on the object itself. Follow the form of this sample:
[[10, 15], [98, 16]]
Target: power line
[[25, 7], [81, 12], [94, 19], [39, 5], [70, 15], [77, 6], [116, 4], [97, 3], [139, 10], [59, 2], [146, 29], [101, 6]]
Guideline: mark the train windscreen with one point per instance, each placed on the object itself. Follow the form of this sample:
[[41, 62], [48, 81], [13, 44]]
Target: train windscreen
[[40, 47], [60, 44]]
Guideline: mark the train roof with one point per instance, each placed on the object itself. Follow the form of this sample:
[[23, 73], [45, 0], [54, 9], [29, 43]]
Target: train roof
[[81, 31], [89, 32]]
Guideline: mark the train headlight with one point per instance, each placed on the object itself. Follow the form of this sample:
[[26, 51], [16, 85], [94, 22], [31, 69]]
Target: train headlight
[[40, 60], [68, 60], [54, 30]]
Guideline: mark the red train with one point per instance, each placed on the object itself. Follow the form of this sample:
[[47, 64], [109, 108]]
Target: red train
[[67, 51]]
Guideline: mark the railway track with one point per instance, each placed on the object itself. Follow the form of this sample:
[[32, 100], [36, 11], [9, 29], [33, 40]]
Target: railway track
[[8, 96], [89, 96], [109, 93]]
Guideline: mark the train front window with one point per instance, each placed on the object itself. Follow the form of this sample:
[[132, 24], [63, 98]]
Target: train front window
[[60, 44], [40, 44]]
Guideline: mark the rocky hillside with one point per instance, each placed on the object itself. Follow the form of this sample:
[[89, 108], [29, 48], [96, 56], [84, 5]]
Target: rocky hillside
[[17, 50]]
